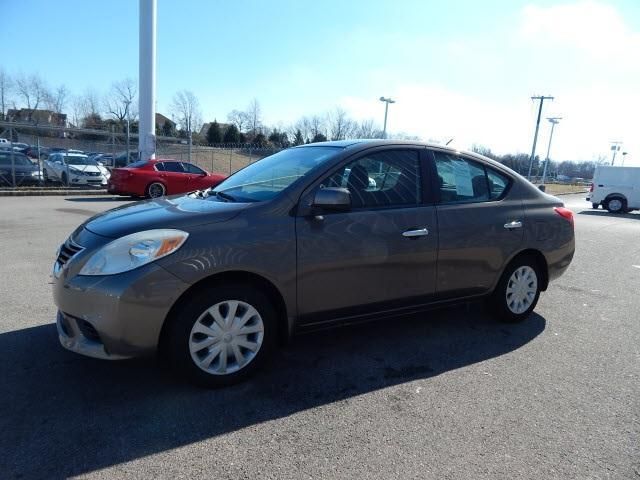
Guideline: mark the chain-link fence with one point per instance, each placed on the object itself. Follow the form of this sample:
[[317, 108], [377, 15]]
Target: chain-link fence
[[35, 142]]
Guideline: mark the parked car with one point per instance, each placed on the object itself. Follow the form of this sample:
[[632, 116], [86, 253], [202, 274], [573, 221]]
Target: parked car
[[105, 159], [156, 178], [617, 189], [121, 160], [74, 169], [26, 172], [4, 140], [216, 279]]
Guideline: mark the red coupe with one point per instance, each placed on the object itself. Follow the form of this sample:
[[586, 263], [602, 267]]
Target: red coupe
[[156, 178]]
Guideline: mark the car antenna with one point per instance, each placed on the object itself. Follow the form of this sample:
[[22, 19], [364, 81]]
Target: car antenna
[[451, 140]]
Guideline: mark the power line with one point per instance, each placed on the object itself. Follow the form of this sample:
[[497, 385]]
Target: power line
[[542, 98]]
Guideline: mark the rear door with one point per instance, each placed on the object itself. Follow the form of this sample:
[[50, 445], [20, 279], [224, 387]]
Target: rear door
[[175, 177], [377, 255], [479, 226]]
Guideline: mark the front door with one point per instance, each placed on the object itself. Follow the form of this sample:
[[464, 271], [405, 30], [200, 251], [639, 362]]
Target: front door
[[381, 251], [479, 227]]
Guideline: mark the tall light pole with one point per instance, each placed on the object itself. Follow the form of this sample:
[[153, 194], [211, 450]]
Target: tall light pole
[[554, 121], [387, 101], [624, 155], [126, 112], [147, 75], [542, 98]]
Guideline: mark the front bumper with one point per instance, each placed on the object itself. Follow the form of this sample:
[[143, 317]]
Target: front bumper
[[114, 316]]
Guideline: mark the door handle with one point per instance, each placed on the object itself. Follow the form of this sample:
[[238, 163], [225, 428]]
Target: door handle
[[513, 224], [420, 232]]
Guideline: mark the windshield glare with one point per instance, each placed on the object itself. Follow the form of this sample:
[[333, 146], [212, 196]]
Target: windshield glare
[[266, 178]]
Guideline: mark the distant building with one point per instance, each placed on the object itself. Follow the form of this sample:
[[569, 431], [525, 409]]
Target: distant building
[[38, 117], [164, 124]]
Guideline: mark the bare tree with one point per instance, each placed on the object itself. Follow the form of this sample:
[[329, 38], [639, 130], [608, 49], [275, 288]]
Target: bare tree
[[186, 109], [254, 116], [304, 126], [6, 86], [57, 99], [318, 125], [238, 118], [120, 102], [340, 126], [368, 129], [32, 90]]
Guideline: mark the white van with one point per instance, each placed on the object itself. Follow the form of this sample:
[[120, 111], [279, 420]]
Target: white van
[[617, 189]]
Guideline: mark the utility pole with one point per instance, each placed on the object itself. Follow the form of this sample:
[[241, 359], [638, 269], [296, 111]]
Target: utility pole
[[542, 98], [147, 75], [554, 121], [387, 101], [615, 148]]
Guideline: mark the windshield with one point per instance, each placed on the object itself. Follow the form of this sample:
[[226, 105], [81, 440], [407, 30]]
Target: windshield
[[78, 160], [18, 159], [266, 178]]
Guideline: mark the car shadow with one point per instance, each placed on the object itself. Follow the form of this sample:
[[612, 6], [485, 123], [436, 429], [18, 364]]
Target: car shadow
[[66, 415], [98, 199], [605, 213]]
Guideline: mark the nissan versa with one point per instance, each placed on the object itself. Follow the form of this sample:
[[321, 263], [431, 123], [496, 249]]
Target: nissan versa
[[314, 235]]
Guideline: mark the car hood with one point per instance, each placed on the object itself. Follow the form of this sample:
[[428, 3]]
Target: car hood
[[168, 212], [85, 168]]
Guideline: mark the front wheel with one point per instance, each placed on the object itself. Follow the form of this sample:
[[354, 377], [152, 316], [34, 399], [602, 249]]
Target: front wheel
[[518, 290], [221, 336], [595, 206]]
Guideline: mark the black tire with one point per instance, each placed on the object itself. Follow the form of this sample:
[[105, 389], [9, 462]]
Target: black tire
[[153, 187], [177, 338], [616, 204], [45, 176], [499, 301], [595, 206], [64, 179]]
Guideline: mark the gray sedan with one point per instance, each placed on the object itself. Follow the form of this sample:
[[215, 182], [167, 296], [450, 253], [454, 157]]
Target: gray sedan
[[304, 239]]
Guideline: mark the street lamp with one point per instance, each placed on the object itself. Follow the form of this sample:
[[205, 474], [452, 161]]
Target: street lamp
[[554, 121], [387, 101], [615, 148]]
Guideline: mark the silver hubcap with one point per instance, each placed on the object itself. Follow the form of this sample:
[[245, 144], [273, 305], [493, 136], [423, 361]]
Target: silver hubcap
[[521, 289], [226, 337], [615, 204], [156, 190]]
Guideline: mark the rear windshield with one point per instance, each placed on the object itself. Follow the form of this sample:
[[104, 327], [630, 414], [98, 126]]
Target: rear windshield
[[138, 164]]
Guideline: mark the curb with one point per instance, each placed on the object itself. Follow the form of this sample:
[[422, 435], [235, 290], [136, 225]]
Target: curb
[[569, 193], [43, 193]]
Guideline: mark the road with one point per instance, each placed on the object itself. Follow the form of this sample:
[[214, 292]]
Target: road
[[447, 395]]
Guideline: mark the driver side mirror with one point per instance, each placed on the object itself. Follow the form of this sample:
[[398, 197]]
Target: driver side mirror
[[333, 199]]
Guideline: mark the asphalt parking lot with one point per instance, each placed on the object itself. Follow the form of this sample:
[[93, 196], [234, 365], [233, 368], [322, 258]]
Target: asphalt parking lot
[[449, 394]]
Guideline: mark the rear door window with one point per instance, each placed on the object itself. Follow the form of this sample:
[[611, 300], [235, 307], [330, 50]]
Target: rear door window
[[175, 167], [192, 169], [498, 183]]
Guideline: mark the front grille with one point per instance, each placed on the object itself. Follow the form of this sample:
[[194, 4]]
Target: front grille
[[94, 174], [67, 251]]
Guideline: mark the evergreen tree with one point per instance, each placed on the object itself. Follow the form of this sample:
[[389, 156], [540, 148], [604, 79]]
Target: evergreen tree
[[318, 137], [231, 135], [214, 134], [298, 140]]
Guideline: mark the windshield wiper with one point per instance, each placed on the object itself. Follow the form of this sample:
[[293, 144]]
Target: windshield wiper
[[225, 196]]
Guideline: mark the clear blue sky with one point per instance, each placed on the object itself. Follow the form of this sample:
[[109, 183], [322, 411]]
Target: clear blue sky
[[463, 69]]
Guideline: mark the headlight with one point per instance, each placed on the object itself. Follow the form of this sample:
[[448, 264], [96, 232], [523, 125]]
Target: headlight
[[133, 251]]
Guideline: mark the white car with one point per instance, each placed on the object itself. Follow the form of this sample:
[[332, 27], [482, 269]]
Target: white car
[[617, 189], [74, 169]]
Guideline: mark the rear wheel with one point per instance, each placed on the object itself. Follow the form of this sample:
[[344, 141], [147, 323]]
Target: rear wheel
[[155, 190], [616, 205], [221, 336], [518, 290], [65, 180]]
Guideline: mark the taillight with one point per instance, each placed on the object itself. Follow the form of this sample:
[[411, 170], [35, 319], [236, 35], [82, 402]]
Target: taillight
[[591, 188], [564, 213]]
